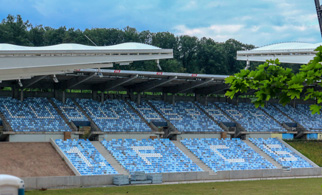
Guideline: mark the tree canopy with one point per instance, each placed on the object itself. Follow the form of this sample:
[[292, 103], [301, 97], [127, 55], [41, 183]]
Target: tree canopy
[[270, 80], [191, 54]]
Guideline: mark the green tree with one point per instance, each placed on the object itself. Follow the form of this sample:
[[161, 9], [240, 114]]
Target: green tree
[[270, 80], [14, 30]]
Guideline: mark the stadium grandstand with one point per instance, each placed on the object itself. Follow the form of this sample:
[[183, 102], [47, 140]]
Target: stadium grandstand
[[102, 123]]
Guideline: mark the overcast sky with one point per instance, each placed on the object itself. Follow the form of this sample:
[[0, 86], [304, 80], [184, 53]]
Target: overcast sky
[[258, 22]]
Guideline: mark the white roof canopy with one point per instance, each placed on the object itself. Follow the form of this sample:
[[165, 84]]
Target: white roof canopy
[[19, 62], [291, 52]]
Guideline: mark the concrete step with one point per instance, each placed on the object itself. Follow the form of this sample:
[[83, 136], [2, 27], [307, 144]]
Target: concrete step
[[193, 157], [263, 154], [108, 156]]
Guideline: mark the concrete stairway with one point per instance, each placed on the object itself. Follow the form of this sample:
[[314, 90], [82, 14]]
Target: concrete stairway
[[109, 158], [60, 113], [194, 158], [140, 115], [94, 127], [263, 154]]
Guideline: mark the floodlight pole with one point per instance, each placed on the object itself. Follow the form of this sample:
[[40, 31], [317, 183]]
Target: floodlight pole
[[247, 65], [319, 13]]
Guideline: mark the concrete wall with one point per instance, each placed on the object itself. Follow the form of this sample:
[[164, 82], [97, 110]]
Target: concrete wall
[[109, 137], [192, 136], [45, 137], [67, 182], [87, 181], [259, 135]]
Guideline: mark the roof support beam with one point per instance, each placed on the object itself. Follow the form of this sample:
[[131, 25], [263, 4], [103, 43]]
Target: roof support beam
[[114, 84], [212, 90], [185, 87], [149, 85], [77, 81], [34, 80]]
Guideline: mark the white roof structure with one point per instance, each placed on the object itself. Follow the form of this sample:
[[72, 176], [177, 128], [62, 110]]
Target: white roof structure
[[291, 52], [21, 62], [73, 46]]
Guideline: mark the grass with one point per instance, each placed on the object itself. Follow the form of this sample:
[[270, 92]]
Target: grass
[[310, 149], [284, 186]]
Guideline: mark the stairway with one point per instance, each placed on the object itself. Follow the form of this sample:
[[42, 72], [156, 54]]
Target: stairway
[[139, 114], [109, 158], [211, 117], [194, 158], [300, 128], [72, 127], [263, 154], [173, 131], [94, 127]]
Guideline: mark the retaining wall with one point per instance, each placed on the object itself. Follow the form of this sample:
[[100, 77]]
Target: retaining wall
[[88, 181]]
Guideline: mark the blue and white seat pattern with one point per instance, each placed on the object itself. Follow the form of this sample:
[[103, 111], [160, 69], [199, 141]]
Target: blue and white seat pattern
[[32, 115], [150, 156], [186, 117], [85, 158], [226, 155], [303, 116], [251, 118], [213, 111], [276, 114], [70, 110], [147, 112], [280, 153], [114, 116]]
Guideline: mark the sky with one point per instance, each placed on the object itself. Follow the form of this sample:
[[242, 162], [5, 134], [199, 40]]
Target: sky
[[257, 22]]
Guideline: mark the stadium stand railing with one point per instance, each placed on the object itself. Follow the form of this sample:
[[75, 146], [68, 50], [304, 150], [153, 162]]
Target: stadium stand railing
[[150, 156], [226, 154], [280, 153], [32, 115], [85, 157]]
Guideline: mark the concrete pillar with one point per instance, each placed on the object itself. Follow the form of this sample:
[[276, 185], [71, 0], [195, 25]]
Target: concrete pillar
[[21, 95], [173, 100], [94, 95], [206, 100], [102, 97], [63, 96], [139, 99], [164, 96], [15, 92], [197, 97]]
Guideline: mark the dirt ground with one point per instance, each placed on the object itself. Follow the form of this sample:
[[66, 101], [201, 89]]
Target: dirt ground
[[31, 160]]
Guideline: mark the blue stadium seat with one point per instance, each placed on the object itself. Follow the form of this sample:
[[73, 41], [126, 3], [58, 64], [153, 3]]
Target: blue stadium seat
[[226, 154], [150, 156], [276, 114], [186, 117], [213, 111], [70, 110], [303, 116], [32, 115], [251, 118], [114, 116], [147, 112], [280, 153], [85, 158]]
